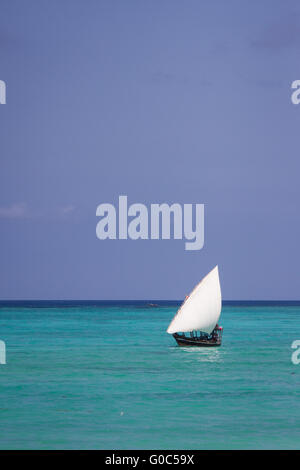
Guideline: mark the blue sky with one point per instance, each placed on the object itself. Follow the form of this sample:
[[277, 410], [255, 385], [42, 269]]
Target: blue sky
[[164, 101]]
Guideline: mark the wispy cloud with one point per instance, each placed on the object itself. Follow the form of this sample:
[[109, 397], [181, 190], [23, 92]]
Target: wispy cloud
[[17, 210], [283, 34], [270, 83], [177, 79], [67, 209], [20, 210]]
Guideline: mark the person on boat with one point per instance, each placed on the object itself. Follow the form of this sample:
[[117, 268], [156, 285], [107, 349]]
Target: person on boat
[[214, 335]]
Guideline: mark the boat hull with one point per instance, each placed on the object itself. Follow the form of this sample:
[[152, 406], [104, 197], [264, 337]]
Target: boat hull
[[198, 342]]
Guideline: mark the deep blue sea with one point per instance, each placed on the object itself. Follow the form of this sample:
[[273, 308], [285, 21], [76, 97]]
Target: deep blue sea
[[102, 375]]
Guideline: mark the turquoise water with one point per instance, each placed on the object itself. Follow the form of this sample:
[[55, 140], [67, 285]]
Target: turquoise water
[[109, 377]]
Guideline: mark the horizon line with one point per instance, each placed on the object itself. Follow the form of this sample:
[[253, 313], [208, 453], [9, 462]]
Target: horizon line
[[142, 300]]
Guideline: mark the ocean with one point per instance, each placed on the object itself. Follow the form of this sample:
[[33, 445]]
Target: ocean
[[104, 375]]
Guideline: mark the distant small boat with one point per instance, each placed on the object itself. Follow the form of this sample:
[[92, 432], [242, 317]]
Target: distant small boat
[[199, 315]]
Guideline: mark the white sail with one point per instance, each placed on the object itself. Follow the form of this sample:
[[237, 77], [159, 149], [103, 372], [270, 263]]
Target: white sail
[[202, 309]]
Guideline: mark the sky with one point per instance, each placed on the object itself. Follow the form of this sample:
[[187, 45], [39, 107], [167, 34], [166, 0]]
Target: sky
[[162, 101]]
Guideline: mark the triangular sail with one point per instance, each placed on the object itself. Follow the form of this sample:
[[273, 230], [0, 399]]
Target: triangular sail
[[202, 309]]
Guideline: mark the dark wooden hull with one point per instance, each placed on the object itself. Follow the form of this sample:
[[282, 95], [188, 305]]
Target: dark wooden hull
[[198, 342]]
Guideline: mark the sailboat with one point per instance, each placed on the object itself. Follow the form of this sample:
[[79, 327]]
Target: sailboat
[[196, 321]]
